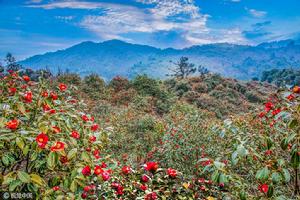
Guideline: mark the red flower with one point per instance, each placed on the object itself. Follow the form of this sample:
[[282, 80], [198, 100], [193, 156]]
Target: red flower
[[94, 127], [103, 165], [28, 96], [62, 87], [92, 138], [86, 171], [45, 94], [46, 107], [13, 124], [172, 172], [151, 166], [53, 96], [96, 153], [263, 188], [75, 134], [12, 90], [56, 129], [145, 178], [55, 188], [296, 89], [143, 187], [42, 140], [26, 78], [269, 106], [59, 146], [64, 159], [151, 196], [105, 176], [87, 188], [268, 152], [126, 170], [84, 118], [290, 97], [261, 115], [84, 195], [98, 170], [277, 111]]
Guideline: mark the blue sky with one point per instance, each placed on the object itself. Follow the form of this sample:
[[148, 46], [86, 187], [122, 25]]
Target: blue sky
[[32, 27]]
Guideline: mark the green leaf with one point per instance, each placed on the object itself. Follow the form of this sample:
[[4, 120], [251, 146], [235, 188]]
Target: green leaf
[[215, 176], [276, 178], [5, 159], [293, 123], [263, 173], [72, 153], [85, 157], [37, 179], [286, 175], [51, 160], [13, 184], [219, 165], [223, 179], [73, 186], [24, 177], [20, 143]]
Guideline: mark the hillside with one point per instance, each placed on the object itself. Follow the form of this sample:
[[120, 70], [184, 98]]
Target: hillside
[[114, 57]]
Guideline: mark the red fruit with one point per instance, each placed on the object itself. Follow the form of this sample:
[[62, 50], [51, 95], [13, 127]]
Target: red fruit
[[42, 140], [59, 146], [26, 78], [126, 170], [151, 166], [55, 188], [13, 124], [86, 171], [75, 134], [172, 172], [62, 87], [103, 165]]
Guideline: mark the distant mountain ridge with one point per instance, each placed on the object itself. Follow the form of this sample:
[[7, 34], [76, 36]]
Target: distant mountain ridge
[[115, 57]]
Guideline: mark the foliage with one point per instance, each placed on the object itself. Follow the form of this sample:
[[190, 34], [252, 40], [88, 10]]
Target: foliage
[[282, 77]]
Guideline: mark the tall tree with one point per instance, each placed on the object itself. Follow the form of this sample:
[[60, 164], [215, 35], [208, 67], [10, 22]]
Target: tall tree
[[183, 68], [11, 63]]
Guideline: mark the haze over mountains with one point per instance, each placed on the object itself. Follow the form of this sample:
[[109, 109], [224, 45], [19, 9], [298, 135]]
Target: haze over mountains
[[115, 57]]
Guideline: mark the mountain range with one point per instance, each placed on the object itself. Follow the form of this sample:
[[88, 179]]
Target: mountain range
[[115, 57]]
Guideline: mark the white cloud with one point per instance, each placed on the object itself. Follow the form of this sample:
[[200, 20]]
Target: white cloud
[[65, 18], [257, 13], [113, 20]]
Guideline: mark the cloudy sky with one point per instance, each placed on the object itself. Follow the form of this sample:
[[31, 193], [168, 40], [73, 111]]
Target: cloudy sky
[[29, 27]]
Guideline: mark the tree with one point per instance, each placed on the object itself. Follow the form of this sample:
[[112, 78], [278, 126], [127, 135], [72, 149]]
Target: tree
[[202, 70], [183, 68], [94, 86], [11, 62]]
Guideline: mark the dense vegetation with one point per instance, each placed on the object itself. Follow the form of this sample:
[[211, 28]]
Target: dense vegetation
[[282, 77], [203, 137]]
